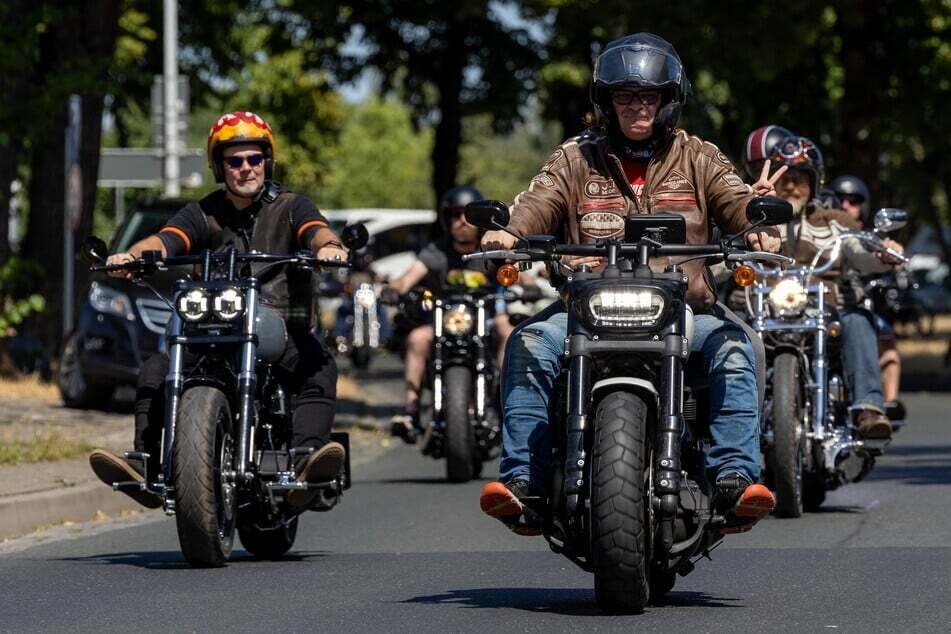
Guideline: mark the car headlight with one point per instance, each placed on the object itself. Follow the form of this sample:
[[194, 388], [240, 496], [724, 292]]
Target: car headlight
[[626, 306], [788, 297], [457, 320], [111, 301], [193, 305], [228, 304]]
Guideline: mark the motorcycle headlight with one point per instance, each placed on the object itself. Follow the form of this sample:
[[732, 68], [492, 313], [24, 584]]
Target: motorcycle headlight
[[365, 297], [193, 305], [228, 304], [626, 306], [788, 297], [457, 320], [110, 301]]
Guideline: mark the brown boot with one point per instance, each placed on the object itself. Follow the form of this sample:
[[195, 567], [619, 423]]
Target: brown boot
[[110, 468], [873, 425], [323, 465]]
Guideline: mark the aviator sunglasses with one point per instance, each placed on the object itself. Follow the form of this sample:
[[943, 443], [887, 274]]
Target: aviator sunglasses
[[253, 160]]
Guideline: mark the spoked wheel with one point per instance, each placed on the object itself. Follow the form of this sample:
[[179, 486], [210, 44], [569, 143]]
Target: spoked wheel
[[205, 491], [620, 530], [785, 460], [460, 437], [269, 542]]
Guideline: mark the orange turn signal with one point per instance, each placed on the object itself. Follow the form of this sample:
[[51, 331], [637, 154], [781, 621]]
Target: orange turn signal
[[507, 274], [744, 276], [834, 328]]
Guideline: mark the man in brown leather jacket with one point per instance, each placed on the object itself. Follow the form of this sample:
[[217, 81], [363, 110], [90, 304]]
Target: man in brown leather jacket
[[250, 212], [634, 161]]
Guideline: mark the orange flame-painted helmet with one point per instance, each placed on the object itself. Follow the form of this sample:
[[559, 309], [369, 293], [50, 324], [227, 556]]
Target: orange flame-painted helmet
[[236, 128]]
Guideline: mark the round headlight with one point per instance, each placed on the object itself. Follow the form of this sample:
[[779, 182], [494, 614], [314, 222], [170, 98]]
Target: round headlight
[[193, 305], [365, 297], [228, 304], [788, 297], [457, 320], [626, 306]]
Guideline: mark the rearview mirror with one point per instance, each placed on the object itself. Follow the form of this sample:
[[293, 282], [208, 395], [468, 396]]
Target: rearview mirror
[[890, 219], [768, 210], [355, 236], [487, 214], [94, 250]]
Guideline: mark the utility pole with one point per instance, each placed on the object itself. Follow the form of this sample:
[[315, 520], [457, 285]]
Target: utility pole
[[170, 102]]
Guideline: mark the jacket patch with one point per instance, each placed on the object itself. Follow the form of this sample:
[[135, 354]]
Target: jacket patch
[[732, 180], [601, 224], [544, 179], [556, 160], [676, 182], [601, 189]]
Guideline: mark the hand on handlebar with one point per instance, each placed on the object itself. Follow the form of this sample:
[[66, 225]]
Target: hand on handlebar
[[493, 240], [119, 259], [332, 252], [764, 239], [888, 258]]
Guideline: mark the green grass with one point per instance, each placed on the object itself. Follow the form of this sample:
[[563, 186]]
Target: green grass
[[42, 448]]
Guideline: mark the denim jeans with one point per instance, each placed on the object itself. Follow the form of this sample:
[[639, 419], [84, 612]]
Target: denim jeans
[[532, 364], [860, 359]]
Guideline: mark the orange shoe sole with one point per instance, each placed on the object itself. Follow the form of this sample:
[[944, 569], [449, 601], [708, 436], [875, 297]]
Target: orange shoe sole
[[498, 502], [756, 502]]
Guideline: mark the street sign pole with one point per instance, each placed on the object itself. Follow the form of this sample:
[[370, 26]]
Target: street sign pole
[[72, 209], [170, 74]]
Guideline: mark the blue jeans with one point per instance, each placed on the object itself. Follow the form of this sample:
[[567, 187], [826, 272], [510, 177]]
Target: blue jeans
[[532, 364], [860, 359]]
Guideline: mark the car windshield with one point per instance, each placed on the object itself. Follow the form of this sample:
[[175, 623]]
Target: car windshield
[[140, 225]]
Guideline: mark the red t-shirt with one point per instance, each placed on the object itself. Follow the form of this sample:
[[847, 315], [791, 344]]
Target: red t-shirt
[[636, 172]]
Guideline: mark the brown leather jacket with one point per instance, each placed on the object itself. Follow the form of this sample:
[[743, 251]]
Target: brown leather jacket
[[581, 195]]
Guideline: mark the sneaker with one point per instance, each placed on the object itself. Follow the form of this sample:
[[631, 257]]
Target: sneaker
[[110, 468], [743, 504], [322, 465], [873, 425], [505, 503], [406, 426]]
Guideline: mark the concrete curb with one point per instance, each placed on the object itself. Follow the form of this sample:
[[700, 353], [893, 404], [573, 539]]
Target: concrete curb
[[23, 514]]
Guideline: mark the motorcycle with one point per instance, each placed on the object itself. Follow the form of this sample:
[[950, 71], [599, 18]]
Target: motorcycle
[[809, 441], [628, 499], [226, 464], [462, 371], [359, 324]]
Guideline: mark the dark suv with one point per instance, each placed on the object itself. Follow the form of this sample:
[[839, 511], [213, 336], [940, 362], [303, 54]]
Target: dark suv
[[119, 324]]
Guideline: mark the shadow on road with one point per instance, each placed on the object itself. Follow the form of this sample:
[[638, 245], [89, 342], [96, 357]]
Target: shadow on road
[[419, 480], [924, 464], [565, 601], [174, 560]]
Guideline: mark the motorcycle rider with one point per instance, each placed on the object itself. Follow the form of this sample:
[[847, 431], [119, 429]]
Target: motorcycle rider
[[854, 199], [252, 211], [759, 144], [815, 227], [432, 264], [631, 159]]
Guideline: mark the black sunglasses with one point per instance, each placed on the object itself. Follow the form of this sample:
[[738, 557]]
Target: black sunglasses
[[237, 161]]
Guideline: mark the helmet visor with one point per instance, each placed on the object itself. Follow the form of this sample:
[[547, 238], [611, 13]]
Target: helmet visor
[[637, 66]]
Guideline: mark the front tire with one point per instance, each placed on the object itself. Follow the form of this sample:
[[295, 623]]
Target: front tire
[[205, 497], [785, 460], [619, 518], [460, 437]]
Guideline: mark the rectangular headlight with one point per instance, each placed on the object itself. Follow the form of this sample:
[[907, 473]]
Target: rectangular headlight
[[626, 306]]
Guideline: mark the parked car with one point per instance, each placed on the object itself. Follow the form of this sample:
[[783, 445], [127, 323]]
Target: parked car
[[119, 324]]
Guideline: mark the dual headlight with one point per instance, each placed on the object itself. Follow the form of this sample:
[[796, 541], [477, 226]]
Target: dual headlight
[[457, 320], [198, 303], [626, 307], [788, 298]]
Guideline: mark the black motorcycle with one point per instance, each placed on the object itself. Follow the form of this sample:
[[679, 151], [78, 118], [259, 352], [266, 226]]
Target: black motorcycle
[[226, 462], [628, 499]]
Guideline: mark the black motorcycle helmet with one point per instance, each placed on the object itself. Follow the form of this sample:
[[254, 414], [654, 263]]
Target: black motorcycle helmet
[[759, 145], [453, 200], [848, 185], [642, 60], [800, 153]]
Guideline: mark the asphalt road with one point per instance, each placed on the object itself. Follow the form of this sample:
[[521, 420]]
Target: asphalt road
[[406, 551]]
